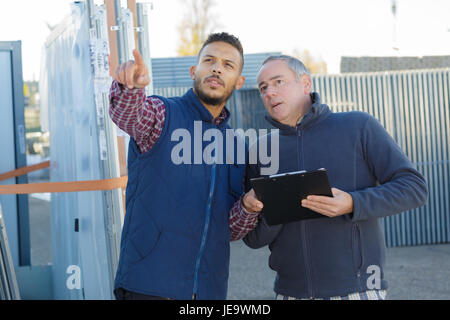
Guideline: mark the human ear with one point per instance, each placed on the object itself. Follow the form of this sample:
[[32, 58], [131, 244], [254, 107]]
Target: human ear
[[192, 72], [307, 84], [240, 83]]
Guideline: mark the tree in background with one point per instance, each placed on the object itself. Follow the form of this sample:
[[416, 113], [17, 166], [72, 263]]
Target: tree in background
[[314, 64], [198, 22]]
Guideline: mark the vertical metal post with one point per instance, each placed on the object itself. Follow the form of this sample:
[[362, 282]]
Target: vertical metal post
[[112, 199], [131, 4], [144, 40], [120, 32], [114, 63], [90, 18], [21, 160], [113, 46], [9, 290]]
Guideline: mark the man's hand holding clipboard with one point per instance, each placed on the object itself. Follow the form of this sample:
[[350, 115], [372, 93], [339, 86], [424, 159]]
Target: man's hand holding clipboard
[[296, 196], [341, 203], [251, 203]]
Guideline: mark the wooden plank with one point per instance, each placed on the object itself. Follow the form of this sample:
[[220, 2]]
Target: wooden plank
[[112, 36], [122, 156], [132, 7], [113, 64]]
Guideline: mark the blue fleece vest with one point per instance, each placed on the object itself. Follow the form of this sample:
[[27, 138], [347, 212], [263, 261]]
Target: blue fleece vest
[[175, 238]]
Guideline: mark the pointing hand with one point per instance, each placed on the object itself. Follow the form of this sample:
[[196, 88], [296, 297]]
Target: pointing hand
[[133, 74]]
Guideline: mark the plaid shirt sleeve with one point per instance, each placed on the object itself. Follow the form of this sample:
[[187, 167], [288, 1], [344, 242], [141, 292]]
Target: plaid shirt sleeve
[[241, 221], [140, 116]]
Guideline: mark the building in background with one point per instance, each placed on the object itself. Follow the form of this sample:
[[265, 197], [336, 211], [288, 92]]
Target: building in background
[[37, 141], [376, 64]]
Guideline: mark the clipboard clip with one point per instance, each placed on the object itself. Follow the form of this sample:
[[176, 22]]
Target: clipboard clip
[[291, 173]]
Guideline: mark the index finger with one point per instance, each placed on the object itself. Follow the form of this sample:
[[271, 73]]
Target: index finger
[[138, 58]]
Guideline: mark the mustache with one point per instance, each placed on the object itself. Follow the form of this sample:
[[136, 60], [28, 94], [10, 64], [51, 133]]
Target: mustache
[[216, 77]]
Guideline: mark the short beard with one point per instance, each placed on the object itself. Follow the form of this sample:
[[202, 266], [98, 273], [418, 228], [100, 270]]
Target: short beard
[[207, 99]]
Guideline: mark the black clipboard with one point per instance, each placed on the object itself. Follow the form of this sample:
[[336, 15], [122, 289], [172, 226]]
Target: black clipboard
[[282, 194]]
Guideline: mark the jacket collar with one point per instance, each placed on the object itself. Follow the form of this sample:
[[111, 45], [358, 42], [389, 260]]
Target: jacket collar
[[197, 106], [316, 113]]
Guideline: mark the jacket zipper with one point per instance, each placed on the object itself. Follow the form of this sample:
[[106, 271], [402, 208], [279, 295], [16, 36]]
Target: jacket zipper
[[298, 154], [303, 224], [359, 247], [307, 266], [205, 229]]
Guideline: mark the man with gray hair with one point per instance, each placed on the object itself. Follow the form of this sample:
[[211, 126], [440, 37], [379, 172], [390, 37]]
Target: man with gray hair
[[342, 255]]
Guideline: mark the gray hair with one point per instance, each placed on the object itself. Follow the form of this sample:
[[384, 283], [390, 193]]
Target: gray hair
[[294, 64]]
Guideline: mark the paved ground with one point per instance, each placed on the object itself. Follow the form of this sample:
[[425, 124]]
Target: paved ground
[[40, 233], [421, 272]]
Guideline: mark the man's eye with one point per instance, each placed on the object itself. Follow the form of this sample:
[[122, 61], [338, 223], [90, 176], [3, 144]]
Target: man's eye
[[279, 81], [229, 66], [262, 89]]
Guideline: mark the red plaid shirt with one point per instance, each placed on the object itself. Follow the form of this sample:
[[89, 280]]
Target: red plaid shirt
[[143, 119]]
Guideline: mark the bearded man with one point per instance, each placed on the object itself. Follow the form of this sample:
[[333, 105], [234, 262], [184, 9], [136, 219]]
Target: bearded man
[[179, 222]]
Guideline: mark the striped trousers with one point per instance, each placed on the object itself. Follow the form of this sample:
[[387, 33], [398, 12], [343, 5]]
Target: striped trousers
[[366, 295]]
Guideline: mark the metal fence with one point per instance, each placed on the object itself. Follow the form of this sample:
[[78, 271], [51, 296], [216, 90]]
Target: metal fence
[[413, 106]]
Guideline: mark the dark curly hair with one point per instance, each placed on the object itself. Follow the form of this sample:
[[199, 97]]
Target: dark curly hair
[[225, 37]]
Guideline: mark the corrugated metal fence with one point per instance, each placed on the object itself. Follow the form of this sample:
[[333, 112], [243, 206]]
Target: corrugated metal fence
[[414, 108]]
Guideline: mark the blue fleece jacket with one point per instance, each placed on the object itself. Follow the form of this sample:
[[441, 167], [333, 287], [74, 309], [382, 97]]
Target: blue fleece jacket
[[327, 257]]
